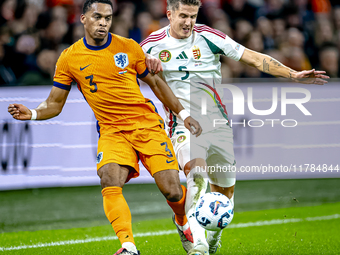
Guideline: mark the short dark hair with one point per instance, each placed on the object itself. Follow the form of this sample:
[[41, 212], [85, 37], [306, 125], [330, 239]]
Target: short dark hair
[[174, 4], [88, 3]]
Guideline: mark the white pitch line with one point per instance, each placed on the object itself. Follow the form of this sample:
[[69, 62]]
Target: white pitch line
[[169, 232], [88, 240]]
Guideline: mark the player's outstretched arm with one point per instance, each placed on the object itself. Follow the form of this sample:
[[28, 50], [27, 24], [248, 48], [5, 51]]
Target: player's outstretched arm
[[50, 108], [167, 97], [271, 66]]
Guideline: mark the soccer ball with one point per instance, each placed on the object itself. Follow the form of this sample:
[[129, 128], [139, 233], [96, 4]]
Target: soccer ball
[[214, 211]]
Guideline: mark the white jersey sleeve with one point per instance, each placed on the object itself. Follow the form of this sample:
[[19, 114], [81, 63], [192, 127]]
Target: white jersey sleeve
[[220, 43]]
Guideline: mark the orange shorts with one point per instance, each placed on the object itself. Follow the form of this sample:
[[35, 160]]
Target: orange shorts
[[151, 145]]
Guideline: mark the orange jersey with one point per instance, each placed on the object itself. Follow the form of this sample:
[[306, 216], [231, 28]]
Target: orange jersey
[[107, 77]]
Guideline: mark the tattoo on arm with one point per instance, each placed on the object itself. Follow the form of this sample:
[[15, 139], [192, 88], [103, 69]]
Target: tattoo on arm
[[265, 66], [290, 73], [275, 62]]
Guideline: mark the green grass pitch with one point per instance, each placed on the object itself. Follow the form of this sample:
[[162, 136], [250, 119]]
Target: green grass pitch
[[271, 217]]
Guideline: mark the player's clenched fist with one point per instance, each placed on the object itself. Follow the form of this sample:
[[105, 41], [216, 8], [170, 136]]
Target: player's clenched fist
[[19, 112], [193, 126]]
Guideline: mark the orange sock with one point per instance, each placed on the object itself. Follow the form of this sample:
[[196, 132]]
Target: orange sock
[[118, 213], [179, 208]]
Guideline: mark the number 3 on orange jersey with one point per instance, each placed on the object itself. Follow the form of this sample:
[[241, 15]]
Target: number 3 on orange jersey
[[92, 83], [167, 149]]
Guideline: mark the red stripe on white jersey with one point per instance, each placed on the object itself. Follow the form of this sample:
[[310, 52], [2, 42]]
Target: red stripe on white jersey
[[211, 30], [153, 38], [171, 123], [206, 28], [155, 35]]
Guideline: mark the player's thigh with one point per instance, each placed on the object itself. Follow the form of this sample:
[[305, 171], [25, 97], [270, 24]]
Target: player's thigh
[[116, 149], [221, 160], [155, 150], [220, 172], [221, 146], [188, 147], [169, 184]]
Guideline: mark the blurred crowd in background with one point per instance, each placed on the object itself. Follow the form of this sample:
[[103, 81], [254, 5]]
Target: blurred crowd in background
[[302, 34]]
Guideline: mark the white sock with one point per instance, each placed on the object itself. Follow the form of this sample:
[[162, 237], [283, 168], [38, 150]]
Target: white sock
[[130, 247], [196, 187]]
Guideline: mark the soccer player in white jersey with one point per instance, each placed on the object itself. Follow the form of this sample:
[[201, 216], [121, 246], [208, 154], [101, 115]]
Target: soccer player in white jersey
[[189, 54]]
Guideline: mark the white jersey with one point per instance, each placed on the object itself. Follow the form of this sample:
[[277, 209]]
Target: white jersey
[[192, 68]]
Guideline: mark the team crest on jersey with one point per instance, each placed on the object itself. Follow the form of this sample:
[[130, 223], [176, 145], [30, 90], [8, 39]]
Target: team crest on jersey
[[165, 56], [196, 52], [99, 157], [237, 47], [121, 60], [181, 139]]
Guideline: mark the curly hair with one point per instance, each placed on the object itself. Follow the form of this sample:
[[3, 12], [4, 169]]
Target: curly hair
[[88, 3]]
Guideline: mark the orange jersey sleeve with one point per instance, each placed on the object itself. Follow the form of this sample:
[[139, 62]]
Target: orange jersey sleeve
[[62, 77], [140, 64], [107, 77]]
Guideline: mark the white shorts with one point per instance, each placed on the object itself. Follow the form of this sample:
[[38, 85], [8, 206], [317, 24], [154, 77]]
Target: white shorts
[[215, 147]]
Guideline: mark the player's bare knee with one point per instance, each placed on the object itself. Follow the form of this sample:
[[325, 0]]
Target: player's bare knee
[[106, 181], [174, 195], [111, 175], [105, 178]]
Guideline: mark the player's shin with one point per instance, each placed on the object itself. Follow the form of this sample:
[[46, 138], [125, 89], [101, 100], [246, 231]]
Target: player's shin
[[196, 187], [179, 209], [181, 222], [118, 213]]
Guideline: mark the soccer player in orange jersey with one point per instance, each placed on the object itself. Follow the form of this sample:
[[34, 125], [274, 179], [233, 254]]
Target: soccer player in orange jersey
[[105, 67]]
